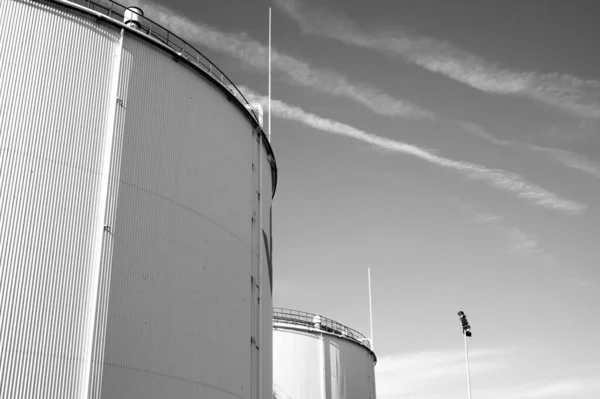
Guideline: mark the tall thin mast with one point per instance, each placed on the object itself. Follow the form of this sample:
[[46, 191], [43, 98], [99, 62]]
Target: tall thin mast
[[269, 106]]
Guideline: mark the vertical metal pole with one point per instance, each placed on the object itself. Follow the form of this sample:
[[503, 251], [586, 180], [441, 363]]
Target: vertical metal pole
[[370, 309], [269, 134], [467, 360], [322, 364], [261, 344]]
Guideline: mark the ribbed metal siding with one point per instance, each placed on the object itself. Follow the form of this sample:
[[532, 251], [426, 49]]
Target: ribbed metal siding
[[179, 310], [111, 183], [55, 115]]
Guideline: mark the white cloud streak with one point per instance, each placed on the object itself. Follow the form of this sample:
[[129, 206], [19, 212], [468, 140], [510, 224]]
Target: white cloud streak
[[300, 73], [585, 130], [586, 385], [523, 243], [564, 157], [561, 388], [440, 375], [518, 240], [574, 95], [500, 179], [398, 374], [586, 284]]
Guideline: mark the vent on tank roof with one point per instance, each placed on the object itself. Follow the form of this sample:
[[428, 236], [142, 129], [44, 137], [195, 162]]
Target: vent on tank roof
[[258, 111], [132, 17]]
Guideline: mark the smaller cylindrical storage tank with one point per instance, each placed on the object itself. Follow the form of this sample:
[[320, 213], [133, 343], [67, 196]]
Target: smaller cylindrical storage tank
[[319, 358]]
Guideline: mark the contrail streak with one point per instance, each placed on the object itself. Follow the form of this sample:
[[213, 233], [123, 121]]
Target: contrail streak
[[574, 95], [299, 73], [253, 53], [500, 179], [564, 157]]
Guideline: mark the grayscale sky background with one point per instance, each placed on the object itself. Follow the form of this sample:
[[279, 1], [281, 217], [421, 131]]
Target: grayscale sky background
[[453, 147]]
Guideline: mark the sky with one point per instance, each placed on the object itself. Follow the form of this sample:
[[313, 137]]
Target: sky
[[453, 148]]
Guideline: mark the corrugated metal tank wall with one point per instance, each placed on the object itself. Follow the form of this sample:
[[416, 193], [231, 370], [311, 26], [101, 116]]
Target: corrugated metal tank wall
[[58, 70], [311, 364], [125, 273], [181, 265]]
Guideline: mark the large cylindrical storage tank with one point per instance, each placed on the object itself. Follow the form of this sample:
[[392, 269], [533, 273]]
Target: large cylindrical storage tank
[[135, 197], [319, 358]]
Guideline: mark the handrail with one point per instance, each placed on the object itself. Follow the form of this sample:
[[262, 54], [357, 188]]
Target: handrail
[[116, 11], [296, 317]]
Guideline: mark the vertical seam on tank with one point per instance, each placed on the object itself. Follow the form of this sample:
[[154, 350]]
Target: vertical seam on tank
[[322, 361], [260, 267], [103, 204]]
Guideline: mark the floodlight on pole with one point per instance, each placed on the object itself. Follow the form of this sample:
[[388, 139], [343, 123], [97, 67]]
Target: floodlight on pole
[[466, 333]]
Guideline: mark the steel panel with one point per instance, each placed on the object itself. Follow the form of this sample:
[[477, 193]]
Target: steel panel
[[53, 145], [297, 371], [310, 364]]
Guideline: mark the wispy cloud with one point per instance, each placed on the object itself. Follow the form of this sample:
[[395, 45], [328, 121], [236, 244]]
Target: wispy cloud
[[585, 129], [253, 53], [498, 178], [562, 388], [584, 384], [519, 242], [567, 158], [583, 283], [440, 375], [402, 373], [300, 73], [577, 96], [523, 243]]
